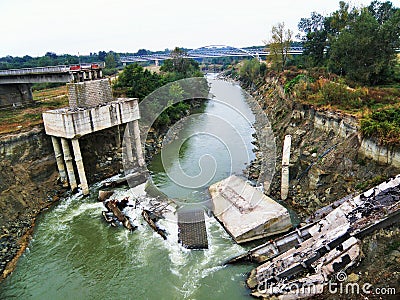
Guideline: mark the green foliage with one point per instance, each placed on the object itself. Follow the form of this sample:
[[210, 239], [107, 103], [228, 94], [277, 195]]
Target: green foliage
[[314, 39], [325, 92], [46, 85], [290, 84], [136, 82], [251, 70], [357, 43], [180, 67], [384, 125], [279, 46]]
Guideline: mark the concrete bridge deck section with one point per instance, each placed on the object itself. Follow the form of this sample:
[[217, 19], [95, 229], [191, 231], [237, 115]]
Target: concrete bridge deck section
[[73, 123], [15, 84], [62, 73]]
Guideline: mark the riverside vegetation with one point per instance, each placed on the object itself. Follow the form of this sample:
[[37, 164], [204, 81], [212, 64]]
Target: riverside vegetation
[[295, 91]]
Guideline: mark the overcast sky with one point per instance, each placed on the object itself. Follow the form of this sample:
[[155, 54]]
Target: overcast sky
[[34, 27]]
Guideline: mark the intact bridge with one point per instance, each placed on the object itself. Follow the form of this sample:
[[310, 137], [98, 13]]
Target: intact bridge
[[215, 51], [15, 84]]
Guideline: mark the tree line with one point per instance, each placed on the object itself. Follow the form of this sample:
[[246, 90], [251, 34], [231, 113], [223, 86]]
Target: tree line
[[357, 43], [135, 81]]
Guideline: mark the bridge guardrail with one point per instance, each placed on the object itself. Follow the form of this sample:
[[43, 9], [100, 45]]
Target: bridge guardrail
[[48, 69], [37, 70]]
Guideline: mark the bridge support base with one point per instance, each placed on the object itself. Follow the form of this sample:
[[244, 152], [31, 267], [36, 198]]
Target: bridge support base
[[60, 161], [15, 95], [68, 163], [80, 167]]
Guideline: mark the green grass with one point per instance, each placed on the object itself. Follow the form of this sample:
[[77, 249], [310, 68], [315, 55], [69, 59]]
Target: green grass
[[15, 119]]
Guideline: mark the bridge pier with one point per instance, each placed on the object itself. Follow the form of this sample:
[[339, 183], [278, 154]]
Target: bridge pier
[[97, 111], [138, 144], [79, 164], [60, 161], [14, 95], [69, 165]]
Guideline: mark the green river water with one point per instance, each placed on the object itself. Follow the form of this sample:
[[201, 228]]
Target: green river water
[[75, 254]]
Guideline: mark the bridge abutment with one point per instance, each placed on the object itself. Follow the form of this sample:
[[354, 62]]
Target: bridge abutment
[[15, 95]]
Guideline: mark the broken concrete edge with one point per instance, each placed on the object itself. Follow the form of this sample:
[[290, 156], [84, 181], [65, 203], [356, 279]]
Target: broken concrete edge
[[332, 249], [333, 263], [245, 212], [269, 249]]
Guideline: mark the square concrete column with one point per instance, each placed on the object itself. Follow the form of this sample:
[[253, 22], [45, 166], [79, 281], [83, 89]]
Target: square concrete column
[[79, 165], [138, 144], [128, 144], [285, 167], [68, 163], [60, 161]]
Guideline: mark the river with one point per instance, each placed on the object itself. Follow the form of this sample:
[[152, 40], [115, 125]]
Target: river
[[74, 254]]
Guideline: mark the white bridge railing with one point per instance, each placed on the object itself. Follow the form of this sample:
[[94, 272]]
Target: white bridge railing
[[52, 69]]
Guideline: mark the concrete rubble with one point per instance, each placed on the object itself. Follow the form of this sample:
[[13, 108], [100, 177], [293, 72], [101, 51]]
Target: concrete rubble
[[311, 255], [126, 212], [245, 212]]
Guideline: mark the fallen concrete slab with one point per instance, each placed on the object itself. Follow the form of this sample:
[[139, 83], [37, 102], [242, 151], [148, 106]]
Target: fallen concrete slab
[[245, 212]]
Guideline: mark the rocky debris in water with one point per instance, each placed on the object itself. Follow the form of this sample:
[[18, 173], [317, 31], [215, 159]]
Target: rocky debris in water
[[125, 212], [133, 179], [104, 195], [116, 214], [151, 218]]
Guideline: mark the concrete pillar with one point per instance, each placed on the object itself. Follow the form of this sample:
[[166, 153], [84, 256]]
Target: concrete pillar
[[138, 144], [68, 163], [128, 143], [79, 165], [60, 161], [285, 167]]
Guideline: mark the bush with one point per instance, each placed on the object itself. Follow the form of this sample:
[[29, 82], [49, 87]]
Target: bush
[[384, 125]]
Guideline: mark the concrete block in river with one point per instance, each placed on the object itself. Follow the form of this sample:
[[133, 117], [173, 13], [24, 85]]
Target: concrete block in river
[[245, 212]]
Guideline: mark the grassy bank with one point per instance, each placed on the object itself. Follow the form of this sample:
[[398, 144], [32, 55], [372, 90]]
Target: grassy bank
[[17, 119], [377, 108]]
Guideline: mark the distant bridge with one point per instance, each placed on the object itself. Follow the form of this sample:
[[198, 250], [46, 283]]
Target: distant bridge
[[208, 52]]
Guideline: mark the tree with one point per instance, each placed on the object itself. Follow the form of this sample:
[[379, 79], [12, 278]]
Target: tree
[[250, 71], [279, 46], [314, 39], [142, 52], [136, 82], [110, 61], [180, 66], [382, 11], [365, 49], [102, 55]]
